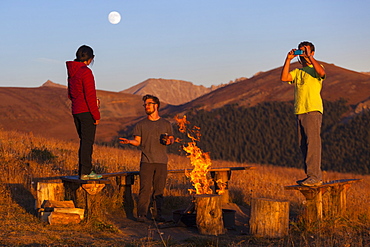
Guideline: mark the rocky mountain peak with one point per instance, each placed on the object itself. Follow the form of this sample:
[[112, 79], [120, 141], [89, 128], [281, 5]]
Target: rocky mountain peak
[[49, 83], [174, 92]]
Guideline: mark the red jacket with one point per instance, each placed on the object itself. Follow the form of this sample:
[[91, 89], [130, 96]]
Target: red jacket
[[81, 89]]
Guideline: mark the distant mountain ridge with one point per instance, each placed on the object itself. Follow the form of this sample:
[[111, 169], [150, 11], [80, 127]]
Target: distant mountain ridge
[[46, 110], [266, 86], [174, 92]]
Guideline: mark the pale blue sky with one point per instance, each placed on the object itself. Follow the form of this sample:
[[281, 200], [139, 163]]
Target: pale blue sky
[[202, 41]]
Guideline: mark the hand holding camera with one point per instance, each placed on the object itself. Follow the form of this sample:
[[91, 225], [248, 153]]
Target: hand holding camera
[[298, 52]]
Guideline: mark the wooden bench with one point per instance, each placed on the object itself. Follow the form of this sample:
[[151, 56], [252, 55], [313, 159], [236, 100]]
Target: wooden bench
[[60, 188], [125, 180], [86, 198], [328, 199]]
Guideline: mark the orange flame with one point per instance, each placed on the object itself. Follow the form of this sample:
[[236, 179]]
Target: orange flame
[[200, 160], [182, 122], [222, 186], [201, 163]]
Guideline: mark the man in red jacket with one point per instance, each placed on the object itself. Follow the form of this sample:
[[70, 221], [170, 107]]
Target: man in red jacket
[[85, 109]]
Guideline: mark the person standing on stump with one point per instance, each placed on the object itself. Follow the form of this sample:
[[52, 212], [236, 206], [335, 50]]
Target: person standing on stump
[[152, 135], [308, 108], [85, 108]]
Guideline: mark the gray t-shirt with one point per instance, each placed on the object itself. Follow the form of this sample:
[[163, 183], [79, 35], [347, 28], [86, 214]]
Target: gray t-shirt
[[150, 132]]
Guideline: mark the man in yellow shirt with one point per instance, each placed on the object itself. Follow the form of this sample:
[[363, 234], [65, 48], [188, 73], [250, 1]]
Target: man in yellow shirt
[[308, 108]]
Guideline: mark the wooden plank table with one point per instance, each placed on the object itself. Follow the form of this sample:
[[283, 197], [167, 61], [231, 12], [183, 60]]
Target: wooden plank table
[[332, 194], [223, 173], [125, 180]]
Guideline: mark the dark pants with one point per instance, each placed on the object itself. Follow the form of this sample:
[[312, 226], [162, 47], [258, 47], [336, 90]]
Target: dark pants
[[152, 183], [86, 131], [309, 128]]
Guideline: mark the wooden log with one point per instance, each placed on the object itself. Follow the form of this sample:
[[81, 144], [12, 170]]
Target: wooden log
[[48, 191], [314, 206], [209, 214], [58, 204], [56, 218], [338, 199], [79, 211], [269, 218]]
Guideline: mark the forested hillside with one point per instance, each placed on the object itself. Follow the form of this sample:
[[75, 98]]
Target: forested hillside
[[266, 134]]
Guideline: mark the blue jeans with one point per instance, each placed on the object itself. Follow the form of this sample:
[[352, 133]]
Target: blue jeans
[[86, 131], [152, 183], [309, 128]]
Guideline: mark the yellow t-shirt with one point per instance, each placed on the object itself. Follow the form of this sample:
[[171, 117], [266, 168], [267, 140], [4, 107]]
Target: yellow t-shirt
[[307, 90]]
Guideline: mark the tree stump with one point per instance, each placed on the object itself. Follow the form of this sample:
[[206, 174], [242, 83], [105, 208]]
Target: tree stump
[[314, 207], [49, 191], [337, 202], [209, 214], [269, 218]]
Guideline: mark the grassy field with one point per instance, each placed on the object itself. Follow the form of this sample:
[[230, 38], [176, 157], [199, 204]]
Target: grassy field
[[24, 157]]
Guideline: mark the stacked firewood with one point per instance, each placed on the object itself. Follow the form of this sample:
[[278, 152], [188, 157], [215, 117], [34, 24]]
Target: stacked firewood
[[60, 212]]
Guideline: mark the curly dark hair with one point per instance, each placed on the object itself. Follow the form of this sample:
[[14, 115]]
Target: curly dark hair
[[306, 43], [154, 98]]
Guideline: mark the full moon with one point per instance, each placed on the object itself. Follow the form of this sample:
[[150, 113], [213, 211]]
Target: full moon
[[114, 17]]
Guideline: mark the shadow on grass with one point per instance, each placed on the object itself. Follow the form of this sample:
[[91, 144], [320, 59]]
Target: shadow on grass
[[23, 197]]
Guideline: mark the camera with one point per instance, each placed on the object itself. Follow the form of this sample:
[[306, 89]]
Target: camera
[[298, 52]]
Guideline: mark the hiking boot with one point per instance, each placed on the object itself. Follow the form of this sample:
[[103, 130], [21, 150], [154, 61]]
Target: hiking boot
[[310, 182], [84, 177], [92, 175]]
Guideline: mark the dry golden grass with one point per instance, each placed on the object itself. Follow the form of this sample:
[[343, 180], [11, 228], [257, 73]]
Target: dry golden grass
[[24, 157]]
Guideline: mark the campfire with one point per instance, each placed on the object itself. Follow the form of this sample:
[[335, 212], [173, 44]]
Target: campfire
[[200, 161], [206, 204]]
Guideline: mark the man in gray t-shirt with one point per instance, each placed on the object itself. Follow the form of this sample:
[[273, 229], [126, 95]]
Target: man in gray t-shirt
[[152, 135], [153, 151]]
